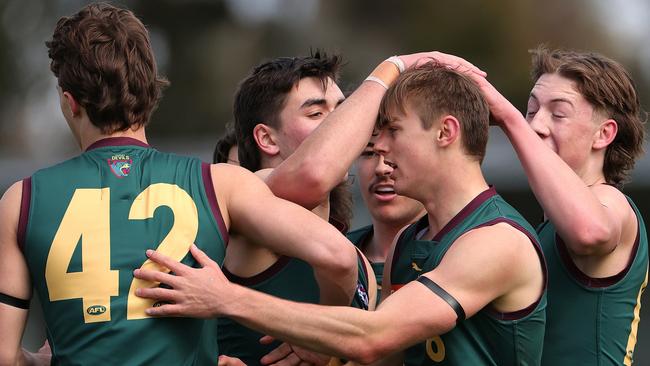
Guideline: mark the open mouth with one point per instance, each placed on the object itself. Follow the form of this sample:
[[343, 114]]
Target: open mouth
[[383, 193]]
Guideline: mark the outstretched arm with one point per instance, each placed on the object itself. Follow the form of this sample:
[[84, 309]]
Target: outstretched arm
[[589, 219], [285, 228], [474, 277], [15, 283], [290, 354], [321, 161]]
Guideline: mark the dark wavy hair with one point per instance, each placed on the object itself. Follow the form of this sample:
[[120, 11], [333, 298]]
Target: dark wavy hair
[[102, 56], [262, 94]]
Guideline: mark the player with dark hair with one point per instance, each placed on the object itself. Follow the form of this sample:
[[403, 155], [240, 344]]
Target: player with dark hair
[[76, 231], [477, 276], [578, 142], [276, 107]]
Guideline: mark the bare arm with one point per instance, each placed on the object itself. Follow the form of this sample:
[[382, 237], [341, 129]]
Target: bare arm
[[285, 228], [291, 354], [589, 219], [362, 336], [15, 282], [474, 277], [321, 161]]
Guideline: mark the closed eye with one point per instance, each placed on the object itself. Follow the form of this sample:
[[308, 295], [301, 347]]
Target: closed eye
[[530, 114]]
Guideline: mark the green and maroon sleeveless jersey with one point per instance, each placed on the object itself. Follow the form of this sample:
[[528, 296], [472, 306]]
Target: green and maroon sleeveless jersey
[[592, 321], [360, 238], [288, 278], [489, 337], [85, 225]]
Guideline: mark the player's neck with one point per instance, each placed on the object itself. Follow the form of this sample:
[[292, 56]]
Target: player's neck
[[381, 241], [450, 196], [270, 162], [91, 134], [591, 172]]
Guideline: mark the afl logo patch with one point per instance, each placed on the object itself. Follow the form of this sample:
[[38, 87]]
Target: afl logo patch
[[96, 309], [120, 165], [362, 295]]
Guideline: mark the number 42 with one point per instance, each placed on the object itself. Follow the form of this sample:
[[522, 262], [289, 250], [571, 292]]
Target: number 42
[[88, 217]]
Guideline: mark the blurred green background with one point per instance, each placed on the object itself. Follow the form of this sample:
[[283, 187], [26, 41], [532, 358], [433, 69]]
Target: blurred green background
[[205, 47]]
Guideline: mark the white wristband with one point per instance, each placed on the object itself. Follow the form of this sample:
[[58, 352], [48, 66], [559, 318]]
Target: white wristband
[[377, 80], [397, 62]]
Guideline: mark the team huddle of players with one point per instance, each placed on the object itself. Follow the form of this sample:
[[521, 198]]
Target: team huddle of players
[[144, 257]]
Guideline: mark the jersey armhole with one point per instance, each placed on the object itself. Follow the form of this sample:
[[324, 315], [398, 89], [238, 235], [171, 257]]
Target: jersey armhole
[[212, 198], [24, 213], [260, 277], [595, 282], [520, 314], [362, 265]]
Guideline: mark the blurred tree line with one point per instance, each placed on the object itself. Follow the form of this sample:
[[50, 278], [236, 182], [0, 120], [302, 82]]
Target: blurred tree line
[[206, 47]]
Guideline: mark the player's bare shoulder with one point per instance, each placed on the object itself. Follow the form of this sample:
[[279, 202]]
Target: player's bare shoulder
[[14, 191], [620, 212], [10, 206], [612, 198], [507, 260], [229, 176], [513, 252], [501, 237]]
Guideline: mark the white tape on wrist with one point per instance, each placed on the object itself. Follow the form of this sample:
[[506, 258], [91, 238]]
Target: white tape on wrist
[[397, 62], [377, 80]]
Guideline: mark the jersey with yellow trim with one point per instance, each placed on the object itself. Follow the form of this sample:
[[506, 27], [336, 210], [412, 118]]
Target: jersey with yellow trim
[[288, 278], [488, 337], [89, 222], [592, 321], [360, 238]]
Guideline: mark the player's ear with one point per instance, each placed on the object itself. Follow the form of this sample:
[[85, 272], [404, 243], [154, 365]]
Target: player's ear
[[71, 102], [265, 138], [605, 134], [448, 131]]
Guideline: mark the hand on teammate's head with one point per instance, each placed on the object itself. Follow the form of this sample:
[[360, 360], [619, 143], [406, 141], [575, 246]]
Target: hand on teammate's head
[[451, 61]]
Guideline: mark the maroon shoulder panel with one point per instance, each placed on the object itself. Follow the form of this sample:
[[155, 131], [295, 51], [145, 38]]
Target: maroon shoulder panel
[[594, 282], [260, 277], [212, 197], [24, 212]]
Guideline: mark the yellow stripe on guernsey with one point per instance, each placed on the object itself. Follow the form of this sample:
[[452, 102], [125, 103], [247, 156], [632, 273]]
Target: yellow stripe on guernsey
[[631, 340]]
